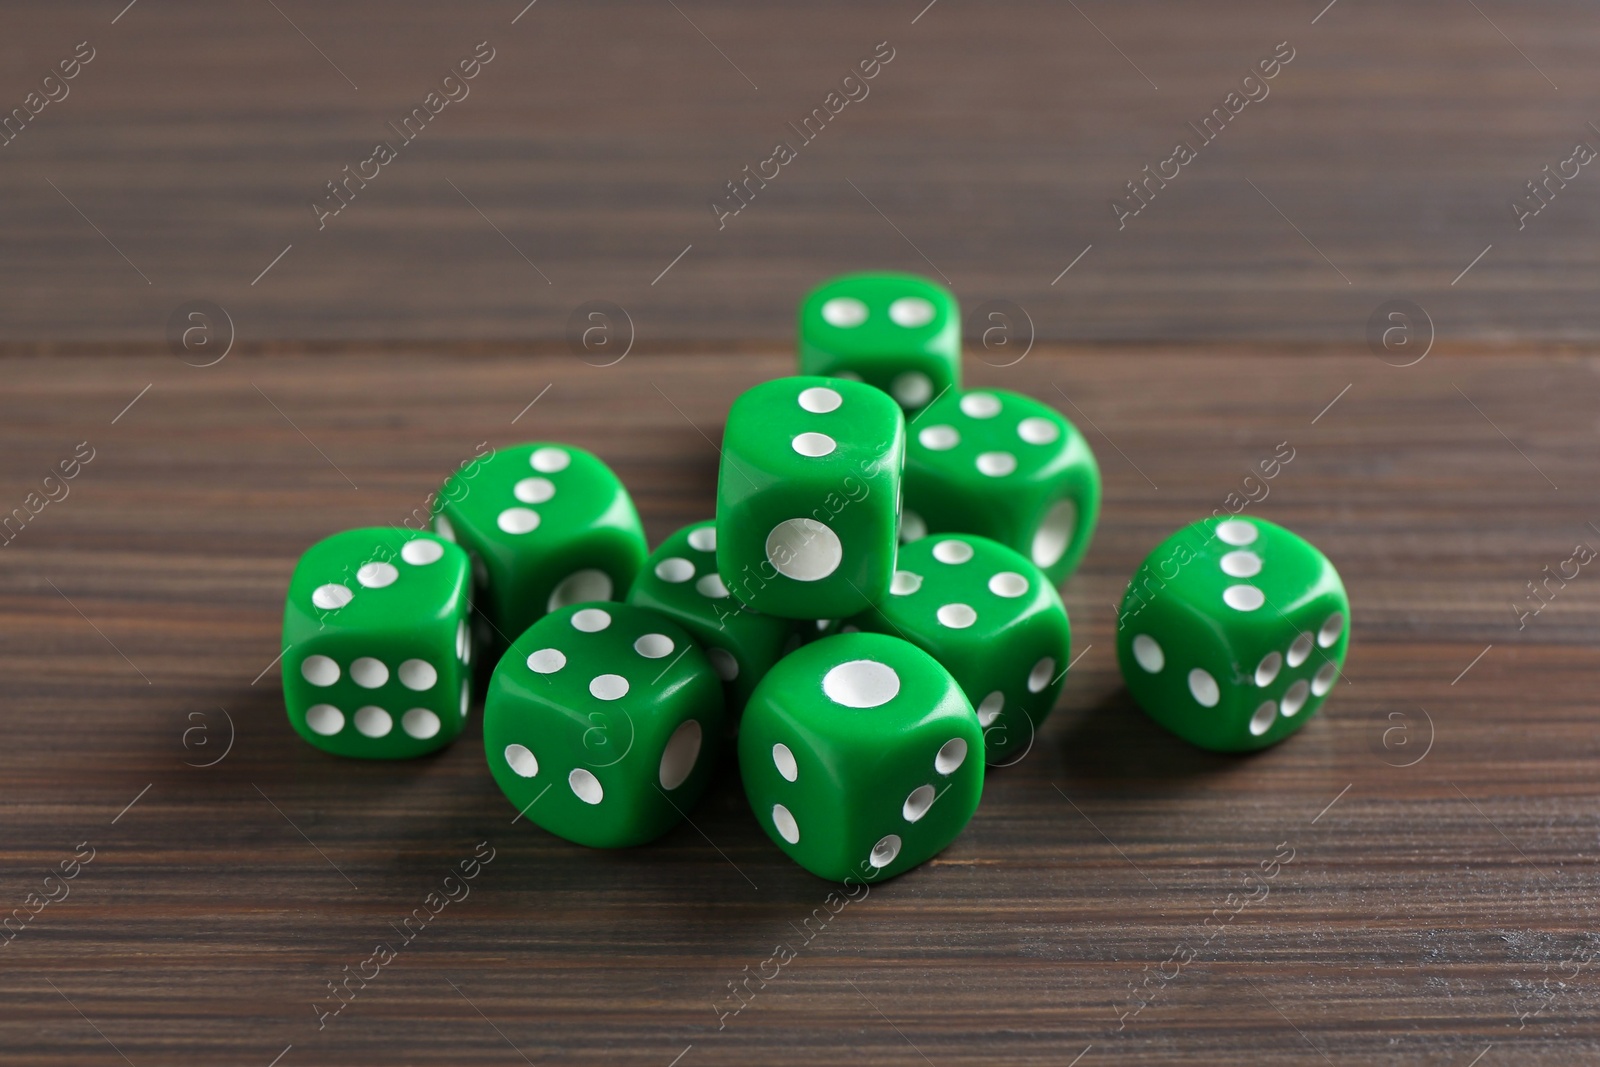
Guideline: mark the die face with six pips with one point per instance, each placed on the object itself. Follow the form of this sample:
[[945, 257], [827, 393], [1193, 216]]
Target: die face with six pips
[[993, 620], [1006, 467], [898, 332], [603, 723], [1233, 632], [808, 497], [377, 643], [548, 525], [860, 756]]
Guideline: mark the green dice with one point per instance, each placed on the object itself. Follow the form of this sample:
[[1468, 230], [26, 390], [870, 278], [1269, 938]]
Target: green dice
[[377, 643], [548, 524], [993, 620], [680, 581], [898, 332], [860, 756], [603, 723], [1232, 633], [808, 497], [1006, 467]]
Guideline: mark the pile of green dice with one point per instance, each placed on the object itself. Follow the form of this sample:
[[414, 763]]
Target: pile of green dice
[[871, 619]]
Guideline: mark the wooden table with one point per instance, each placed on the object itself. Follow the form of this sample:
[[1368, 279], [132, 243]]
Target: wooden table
[[1439, 900], [1439, 906]]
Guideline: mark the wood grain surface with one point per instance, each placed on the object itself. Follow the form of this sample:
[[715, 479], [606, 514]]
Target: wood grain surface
[[1382, 161], [1430, 836]]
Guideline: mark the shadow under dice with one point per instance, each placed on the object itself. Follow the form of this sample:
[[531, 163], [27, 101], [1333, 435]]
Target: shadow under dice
[[603, 723], [898, 332], [1232, 633], [993, 620], [860, 756], [808, 497], [375, 628], [548, 525], [1006, 467], [680, 580]]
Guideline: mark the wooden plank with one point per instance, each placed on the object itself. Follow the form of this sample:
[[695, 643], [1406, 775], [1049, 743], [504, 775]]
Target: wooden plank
[[1384, 158]]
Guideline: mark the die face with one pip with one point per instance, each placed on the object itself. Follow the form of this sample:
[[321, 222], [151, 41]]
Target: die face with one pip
[[680, 581], [993, 620], [549, 525], [808, 497], [1233, 632], [898, 332], [375, 628], [603, 723], [860, 756], [1006, 467]]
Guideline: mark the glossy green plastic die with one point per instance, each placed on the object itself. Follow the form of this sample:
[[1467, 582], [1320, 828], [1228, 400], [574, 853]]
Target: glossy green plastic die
[[603, 723], [808, 497], [377, 643], [898, 332], [680, 580], [1006, 467], [861, 756], [993, 620], [548, 525], [1233, 632]]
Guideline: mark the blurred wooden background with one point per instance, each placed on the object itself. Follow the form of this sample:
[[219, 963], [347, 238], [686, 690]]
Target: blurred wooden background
[[988, 150]]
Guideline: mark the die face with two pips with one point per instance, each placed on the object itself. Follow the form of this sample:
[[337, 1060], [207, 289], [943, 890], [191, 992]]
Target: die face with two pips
[[1006, 467], [549, 524], [1233, 632], [377, 643], [808, 497], [603, 723], [898, 332], [993, 620], [680, 581], [861, 756]]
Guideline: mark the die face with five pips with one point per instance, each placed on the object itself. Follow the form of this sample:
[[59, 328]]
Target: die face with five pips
[[808, 497], [1006, 467], [680, 581], [549, 524], [377, 643], [898, 332], [602, 724], [1233, 632], [860, 756], [993, 620]]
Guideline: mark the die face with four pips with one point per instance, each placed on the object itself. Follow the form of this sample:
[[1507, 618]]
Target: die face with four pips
[[898, 332], [1233, 632], [549, 524], [1006, 467], [993, 620], [377, 643], [603, 723], [808, 497], [680, 581], [861, 756]]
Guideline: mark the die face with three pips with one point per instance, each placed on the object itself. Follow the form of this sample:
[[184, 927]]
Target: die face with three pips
[[860, 756], [808, 497], [1233, 632], [993, 620], [1006, 467], [898, 332], [603, 723], [680, 581], [377, 643], [548, 524]]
